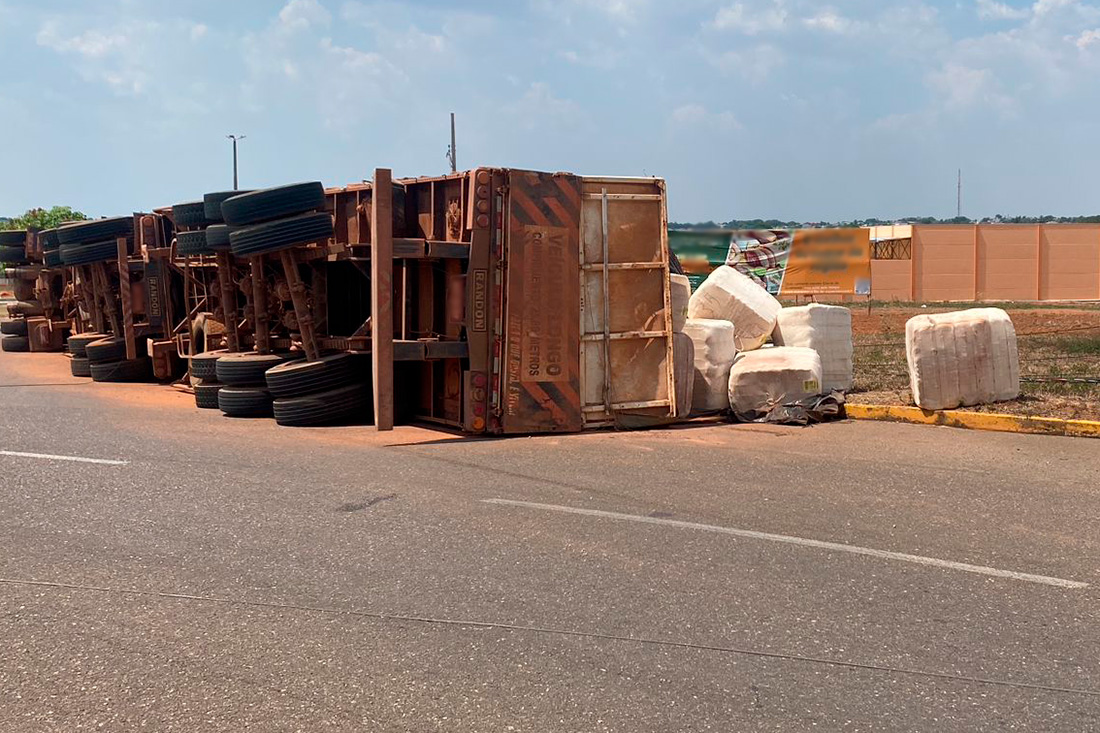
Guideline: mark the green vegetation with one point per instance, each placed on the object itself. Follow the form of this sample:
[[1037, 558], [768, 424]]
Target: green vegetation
[[43, 218]]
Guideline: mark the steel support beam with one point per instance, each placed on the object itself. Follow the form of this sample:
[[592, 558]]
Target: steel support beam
[[229, 300], [381, 266], [301, 304], [259, 305]]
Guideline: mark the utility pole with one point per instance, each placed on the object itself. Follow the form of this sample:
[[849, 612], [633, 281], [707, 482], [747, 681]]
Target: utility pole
[[451, 150], [959, 205], [235, 138]]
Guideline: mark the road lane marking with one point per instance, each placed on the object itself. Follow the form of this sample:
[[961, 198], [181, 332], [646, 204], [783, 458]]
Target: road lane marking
[[75, 459], [800, 541]]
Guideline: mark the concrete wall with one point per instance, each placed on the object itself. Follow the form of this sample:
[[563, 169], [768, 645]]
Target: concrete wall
[[994, 262]]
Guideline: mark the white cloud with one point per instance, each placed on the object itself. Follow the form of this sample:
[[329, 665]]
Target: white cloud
[[992, 10], [695, 116], [300, 15], [829, 20], [961, 87], [91, 44], [538, 108], [1045, 7], [620, 9], [754, 64], [741, 18], [1087, 39]]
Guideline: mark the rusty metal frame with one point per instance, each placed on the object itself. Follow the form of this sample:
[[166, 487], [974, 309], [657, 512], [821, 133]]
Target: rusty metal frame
[[381, 240]]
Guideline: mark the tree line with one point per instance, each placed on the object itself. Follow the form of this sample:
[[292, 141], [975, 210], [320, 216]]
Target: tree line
[[43, 218]]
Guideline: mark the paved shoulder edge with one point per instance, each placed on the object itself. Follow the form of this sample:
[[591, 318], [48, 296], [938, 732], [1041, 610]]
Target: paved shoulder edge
[[975, 420]]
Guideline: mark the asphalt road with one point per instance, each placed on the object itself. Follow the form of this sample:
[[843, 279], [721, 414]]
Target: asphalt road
[[233, 575]]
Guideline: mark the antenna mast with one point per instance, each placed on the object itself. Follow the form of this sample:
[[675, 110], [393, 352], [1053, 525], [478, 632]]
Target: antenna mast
[[959, 209], [451, 150]]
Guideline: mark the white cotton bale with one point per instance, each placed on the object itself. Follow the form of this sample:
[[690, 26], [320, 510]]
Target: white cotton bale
[[764, 379], [827, 329], [683, 372], [715, 350], [680, 295], [962, 358], [730, 296]]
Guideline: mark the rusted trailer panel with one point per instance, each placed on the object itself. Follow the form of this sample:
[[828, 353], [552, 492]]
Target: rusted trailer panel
[[544, 298], [627, 315]]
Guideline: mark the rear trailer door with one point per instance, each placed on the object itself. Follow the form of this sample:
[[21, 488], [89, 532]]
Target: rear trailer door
[[626, 316], [541, 375]]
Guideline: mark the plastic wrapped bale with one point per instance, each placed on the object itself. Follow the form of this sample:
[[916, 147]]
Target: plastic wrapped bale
[[727, 295], [763, 380], [715, 350], [827, 329], [683, 360], [680, 295], [963, 358]]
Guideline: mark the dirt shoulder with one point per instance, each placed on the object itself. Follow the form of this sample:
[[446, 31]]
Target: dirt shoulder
[[1059, 358]]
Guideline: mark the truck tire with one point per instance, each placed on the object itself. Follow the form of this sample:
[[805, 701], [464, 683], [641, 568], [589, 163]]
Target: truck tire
[[15, 343], [23, 289], [190, 214], [112, 348], [206, 395], [13, 255], [88, 254], [273, 203], [276, 235], [212, 203], [217, 237], [13, 238], [16, 327], [80, 366], [136, 370], [244, 401], [297, 378], [204, 365], [96, 231], [192, 243], [246, 368], [26, 308], [342, 405], [78, 344]]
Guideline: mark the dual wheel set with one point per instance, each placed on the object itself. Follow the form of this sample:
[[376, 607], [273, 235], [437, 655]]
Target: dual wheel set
[[14, 335], [331, 390], [103, 358], [248, 223], [296, 392]]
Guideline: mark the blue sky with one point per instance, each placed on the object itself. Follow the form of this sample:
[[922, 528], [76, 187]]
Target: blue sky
[[755, 108]]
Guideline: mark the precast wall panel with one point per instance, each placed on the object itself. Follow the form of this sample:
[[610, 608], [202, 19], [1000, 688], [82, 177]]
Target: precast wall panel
[[943, 263], [892, 280], [994, 262], [1069, 262], [1006, 262]]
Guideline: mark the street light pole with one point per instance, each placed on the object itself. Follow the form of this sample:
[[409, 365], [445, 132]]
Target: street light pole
[[235, 138]]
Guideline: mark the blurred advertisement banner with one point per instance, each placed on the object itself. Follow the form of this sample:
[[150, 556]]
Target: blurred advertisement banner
[[827, 262], [784, 262]]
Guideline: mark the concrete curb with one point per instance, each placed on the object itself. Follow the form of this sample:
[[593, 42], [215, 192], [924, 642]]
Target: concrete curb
[[975, 420]]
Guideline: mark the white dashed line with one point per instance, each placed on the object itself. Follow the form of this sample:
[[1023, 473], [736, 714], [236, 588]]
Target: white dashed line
[[819, 544], [51, 457]]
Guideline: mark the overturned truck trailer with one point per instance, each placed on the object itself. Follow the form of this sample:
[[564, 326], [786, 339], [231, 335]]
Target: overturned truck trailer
[[506, 301]]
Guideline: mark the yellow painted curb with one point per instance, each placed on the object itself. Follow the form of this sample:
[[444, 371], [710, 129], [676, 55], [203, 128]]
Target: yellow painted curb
[[975, 420]]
